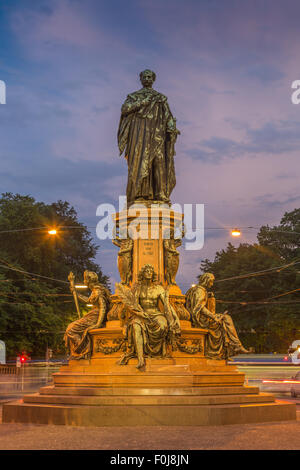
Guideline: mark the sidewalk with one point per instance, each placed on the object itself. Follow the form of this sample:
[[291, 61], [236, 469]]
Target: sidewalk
[[269, 436]]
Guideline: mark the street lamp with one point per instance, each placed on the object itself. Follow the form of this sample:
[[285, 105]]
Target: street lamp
[[236, 232], [53, 231]]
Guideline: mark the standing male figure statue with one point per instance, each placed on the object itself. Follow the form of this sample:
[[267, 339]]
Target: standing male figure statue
[[147, 133]]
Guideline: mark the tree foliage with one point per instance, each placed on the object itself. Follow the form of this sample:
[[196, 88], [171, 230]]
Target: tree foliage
[[265, 319], [34, 311]]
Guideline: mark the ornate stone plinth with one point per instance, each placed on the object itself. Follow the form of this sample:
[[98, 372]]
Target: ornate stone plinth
[[185, 388], [155, 225], [152, 225], [171, 392]]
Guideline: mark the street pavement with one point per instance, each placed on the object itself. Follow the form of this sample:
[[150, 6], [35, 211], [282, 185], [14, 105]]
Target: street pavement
[[267, 436], [262, 436]]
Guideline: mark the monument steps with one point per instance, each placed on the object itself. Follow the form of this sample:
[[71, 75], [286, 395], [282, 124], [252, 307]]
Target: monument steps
[[147, 415], [149, 380], [115, 391], [148, 399]]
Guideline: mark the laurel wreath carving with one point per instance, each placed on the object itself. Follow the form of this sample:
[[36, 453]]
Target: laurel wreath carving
[[119, 345], [183, 346]]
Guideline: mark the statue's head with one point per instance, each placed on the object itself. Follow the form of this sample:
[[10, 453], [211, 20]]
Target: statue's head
[[90, 278], [206, 280], [147, 78], [147, 273]]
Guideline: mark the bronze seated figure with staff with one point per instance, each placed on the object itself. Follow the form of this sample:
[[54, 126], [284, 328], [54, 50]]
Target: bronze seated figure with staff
[[77, 337]]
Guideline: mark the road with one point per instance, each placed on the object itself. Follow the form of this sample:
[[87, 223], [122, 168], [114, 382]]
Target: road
[[260, 436]]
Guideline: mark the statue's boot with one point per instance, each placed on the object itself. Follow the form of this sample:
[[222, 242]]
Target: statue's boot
[[243, 350], [141, 364], [125, 359]]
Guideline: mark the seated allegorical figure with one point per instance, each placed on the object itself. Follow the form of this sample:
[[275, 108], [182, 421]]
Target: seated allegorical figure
[[221, 341], [152, 320], [77, 338]]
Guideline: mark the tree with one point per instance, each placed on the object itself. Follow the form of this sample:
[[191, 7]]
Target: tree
[[285, 238], [34, 311], [271, 326]]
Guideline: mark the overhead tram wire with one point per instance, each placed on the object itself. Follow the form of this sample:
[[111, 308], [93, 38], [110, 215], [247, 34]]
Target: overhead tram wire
[[74, 227], [258, 302], [43, 229], [32, 274], [260, 273], [242, 276]]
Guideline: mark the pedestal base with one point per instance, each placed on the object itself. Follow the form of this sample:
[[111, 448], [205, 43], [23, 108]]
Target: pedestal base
[[169, 393]]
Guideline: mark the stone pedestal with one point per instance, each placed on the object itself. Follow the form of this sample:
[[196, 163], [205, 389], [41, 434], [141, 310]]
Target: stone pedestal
[[183, 389], [179, 391], [186, 389], [150, 226]]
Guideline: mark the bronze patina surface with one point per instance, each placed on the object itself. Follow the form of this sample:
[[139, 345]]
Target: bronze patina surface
[[147, 133], [150, 326], [222, 340], [77, 338], [148, 355], [171, 259], [124, 258]]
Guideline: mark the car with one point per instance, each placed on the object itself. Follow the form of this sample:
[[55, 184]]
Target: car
[[295, 387]]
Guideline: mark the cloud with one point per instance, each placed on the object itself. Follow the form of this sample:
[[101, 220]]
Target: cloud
[[273, 138], [226, 68]]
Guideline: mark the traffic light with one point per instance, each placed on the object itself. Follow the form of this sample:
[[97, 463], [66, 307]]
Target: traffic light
[[23, 359]]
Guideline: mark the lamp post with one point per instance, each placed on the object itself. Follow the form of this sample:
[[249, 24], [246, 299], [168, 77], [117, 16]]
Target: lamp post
[[235, 232]]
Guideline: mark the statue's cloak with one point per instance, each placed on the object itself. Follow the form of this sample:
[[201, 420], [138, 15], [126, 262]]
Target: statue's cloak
[[147, 132]]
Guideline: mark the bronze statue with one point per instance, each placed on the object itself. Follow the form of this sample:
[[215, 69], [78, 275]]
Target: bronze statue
[[147, 133], [153, 321], [222, 340], [171, 259], [77, 338], [124, 258]]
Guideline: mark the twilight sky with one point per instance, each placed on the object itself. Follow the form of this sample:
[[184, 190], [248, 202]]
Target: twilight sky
[[227, 69]]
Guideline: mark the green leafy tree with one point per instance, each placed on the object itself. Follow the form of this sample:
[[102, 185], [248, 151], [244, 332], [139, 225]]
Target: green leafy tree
[[34, 311], [265, 319], [283, 239]]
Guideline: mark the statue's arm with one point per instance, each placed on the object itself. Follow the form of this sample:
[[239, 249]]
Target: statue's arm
[[171, 121], [134, 103], [170, 313], [97, 299], [83, 298], [199, 305], [178, 243], [126, 250], [95, 296]]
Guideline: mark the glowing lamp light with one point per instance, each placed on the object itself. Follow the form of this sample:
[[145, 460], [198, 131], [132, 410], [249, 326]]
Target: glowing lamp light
[[52, 231], [236, 232], [81, 286], [89, 305]]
